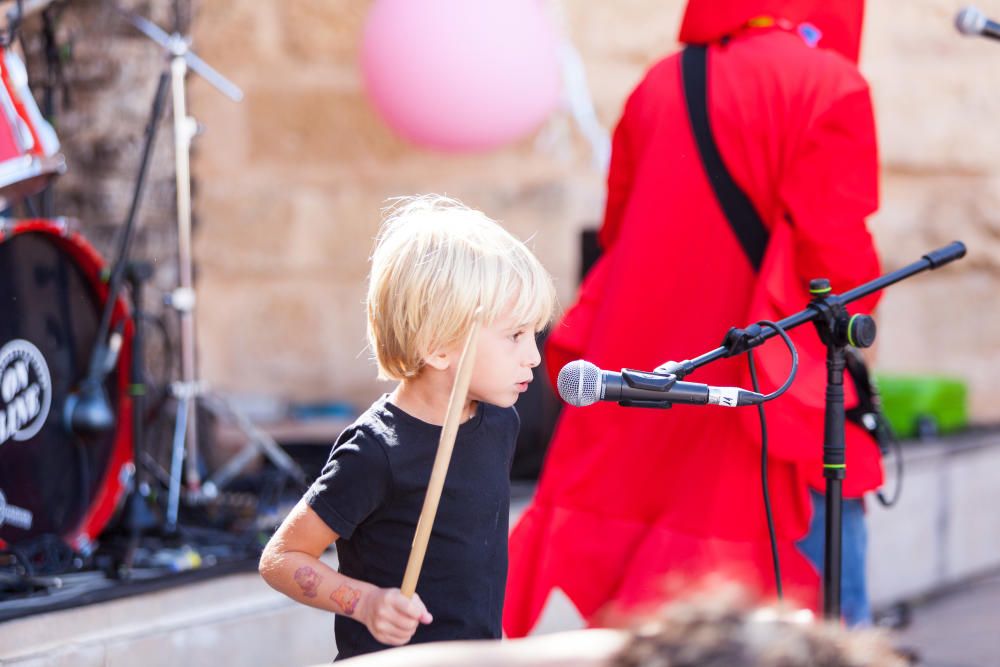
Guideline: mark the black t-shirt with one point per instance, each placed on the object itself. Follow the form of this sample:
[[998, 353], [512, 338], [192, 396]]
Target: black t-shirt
[[371, 492]]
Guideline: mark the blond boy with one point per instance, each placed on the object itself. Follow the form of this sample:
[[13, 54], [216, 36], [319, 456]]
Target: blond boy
[[435, 262]]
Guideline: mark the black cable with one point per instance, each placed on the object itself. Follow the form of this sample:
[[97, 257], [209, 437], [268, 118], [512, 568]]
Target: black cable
[[56, 57], [897, 448], [42, 554], [795, 361], [159, 380], [775, 559], [869, 415], [30, 207]]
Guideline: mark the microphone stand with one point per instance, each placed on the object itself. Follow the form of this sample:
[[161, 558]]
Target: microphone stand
[[837, 329], [87, 410], [189, 389], [182, 299]]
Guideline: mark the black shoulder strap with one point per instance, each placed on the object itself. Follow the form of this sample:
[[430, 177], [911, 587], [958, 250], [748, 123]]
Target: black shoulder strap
[[750, 230], [738, 208]]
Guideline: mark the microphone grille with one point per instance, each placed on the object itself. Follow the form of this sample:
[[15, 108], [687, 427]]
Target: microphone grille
[[580, 383], [970, 21]]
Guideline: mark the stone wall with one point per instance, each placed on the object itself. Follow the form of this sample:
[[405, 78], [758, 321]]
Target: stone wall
[[941, 182], [290, 183], [101, 111]]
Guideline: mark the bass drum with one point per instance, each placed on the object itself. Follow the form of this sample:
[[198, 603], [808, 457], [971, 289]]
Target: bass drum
[[52, 481]]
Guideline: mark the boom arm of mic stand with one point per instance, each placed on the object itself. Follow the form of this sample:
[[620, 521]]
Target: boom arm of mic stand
[[932, 260], [91, 401]]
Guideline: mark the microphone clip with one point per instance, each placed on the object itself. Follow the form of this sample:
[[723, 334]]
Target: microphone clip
[[738, 341], [650, 382]]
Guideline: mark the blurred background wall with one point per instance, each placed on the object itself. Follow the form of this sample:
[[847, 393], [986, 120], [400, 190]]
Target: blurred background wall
[[289, 183]]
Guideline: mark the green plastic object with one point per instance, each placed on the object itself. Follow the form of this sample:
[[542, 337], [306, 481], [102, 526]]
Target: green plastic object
[[923, 405]]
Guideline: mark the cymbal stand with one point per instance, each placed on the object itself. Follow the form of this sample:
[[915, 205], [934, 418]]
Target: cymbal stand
[[183, 298]]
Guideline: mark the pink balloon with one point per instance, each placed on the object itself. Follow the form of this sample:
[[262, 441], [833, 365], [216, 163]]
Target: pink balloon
[[460, 75]]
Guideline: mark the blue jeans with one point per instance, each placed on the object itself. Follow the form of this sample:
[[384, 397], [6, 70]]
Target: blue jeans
[[854, 605]]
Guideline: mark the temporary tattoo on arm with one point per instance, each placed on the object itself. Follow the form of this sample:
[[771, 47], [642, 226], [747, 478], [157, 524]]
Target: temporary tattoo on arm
[[346, 597], [308, 580]]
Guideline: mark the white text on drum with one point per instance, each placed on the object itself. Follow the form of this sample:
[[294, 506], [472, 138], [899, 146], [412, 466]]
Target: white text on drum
[[25, 391], [22, 398]]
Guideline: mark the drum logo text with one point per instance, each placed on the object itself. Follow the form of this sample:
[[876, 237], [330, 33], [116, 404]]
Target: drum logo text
[[25, 391]]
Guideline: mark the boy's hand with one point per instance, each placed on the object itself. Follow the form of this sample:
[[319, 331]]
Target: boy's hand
[[391, 617]]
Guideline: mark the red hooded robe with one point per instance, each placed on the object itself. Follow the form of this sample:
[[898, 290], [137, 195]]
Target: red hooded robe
[[627, 494]]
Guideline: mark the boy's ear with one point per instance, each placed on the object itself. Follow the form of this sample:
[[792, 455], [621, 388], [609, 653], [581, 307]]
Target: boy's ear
[[438, 360]]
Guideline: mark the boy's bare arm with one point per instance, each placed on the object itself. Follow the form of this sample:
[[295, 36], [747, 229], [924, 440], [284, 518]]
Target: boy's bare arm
[[290, 564]]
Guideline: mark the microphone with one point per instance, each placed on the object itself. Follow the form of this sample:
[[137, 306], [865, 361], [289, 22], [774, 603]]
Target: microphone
[[971, 21], [87, 411], [581, 383]]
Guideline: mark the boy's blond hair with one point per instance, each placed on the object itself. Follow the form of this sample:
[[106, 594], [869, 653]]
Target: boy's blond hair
[[436, 261]]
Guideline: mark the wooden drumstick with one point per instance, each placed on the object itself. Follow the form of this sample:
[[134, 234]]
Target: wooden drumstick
[[459, 392]]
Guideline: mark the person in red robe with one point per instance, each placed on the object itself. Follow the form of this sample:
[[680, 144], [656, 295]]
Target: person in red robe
[[629, 495]]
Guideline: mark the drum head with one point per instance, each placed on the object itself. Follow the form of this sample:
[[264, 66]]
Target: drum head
[[52, 481]]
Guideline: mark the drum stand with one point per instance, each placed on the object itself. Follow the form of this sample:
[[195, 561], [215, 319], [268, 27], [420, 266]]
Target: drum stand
[[189, 390]]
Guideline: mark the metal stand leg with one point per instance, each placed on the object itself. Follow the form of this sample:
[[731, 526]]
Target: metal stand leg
[[184, 296], [262, 443], [184, 405], [138, 273]]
